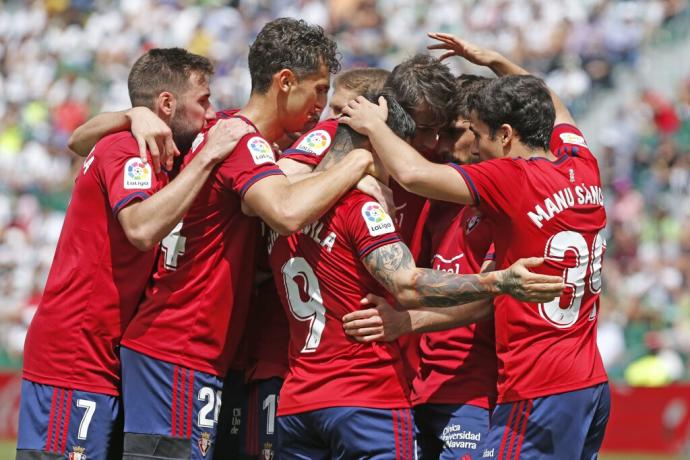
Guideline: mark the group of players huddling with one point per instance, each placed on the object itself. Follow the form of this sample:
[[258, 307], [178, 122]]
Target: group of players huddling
[[435, 245]]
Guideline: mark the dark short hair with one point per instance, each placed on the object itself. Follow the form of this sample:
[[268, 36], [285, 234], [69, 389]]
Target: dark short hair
[[467, 84], [523, 102], [423, 80], [399, 121], [164, 69], [362, 80], [287, 43]]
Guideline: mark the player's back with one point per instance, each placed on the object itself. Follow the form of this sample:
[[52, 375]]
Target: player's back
[[321, 278], [97, 275], [555, 209]]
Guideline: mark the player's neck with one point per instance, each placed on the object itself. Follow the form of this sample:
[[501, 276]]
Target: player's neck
[[519, 150], [264, 114]]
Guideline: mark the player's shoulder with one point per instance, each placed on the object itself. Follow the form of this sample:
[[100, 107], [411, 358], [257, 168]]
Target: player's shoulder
[[123, 141], [317, 140], [568, 140], [257, 147]]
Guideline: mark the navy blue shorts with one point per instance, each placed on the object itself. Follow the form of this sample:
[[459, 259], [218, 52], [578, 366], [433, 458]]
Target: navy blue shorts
[[450, 431], [170, 411], [232, 421], [567, 425], [347, 433], [63, 421], [261, 417]]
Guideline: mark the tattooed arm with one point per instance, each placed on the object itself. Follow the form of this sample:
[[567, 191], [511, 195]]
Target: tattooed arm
[[392, 266]]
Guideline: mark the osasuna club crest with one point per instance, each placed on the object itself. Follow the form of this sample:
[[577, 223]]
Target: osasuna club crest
[[204, 443], [267, 451], [78, 453], [471, 223]]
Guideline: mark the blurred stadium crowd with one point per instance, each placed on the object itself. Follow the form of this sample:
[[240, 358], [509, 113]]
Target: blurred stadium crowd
[[64, 60]]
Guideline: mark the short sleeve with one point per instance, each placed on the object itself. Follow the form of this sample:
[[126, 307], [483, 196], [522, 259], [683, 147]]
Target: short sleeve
[[251, 161], [495, 185], [490, 253], [124, 176], [369, 227], [313, 145], [567, 139]]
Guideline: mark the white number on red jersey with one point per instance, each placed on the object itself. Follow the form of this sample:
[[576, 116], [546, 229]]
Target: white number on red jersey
[[575, 277], [173, 246], [304, 298]]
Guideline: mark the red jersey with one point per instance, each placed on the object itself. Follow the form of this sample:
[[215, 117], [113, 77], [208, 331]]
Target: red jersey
[[458, 366], [313, 145], [194, 311], [537, 207], [267, 333], [321, 278], [97, 277]]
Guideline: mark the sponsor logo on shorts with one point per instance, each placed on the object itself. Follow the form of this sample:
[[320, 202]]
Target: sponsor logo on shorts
[[572, 138], [137, 174], [488, 453], [204, 442], [315, 142], [78, 453], [455, 437], [378, 222], [261, 151]]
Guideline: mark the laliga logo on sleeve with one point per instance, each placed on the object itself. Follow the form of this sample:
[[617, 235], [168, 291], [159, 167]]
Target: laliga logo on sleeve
[[260, 150], [316, 142], [572, 138], [137, 174], [378, 222]]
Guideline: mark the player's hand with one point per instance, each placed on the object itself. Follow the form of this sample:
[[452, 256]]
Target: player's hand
[[456, 46], [517, 281], [379, 191], [152, 132], [362, 115], [382, 323], [223, 137]]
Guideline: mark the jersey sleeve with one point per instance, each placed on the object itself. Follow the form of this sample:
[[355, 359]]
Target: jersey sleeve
[[124, 176], [313, 145], [251, 161], [567, 139], [495, 185], [368, 225], [490, 253]]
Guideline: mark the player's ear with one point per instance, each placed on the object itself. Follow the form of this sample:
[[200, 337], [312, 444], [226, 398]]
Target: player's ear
[[506, 134], [166, 104], [286, 79]]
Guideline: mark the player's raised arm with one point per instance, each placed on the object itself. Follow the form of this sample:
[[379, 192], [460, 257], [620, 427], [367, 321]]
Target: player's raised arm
[[410, 169], [147, 222], [147, 128], [392, 266], [499, 64]]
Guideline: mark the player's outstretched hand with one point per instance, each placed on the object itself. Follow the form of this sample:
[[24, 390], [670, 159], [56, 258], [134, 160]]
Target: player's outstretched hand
[[361, 114], [152, 132], [380, 323], [456, 46], [517, 281], [224, 136], [379, 191]]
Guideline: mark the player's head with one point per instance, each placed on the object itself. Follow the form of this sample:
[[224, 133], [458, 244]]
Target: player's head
[[456, 139], [399, 121], [424, 87], [510, 110], [173, 83], [292, 61], [352, 83]]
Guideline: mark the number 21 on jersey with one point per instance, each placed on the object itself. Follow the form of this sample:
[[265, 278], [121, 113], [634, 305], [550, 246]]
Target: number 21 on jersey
[[563, 311]]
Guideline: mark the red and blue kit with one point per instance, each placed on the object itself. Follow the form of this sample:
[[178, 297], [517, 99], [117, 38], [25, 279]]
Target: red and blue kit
[[457, 366], [313, 145], [205, 273]]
